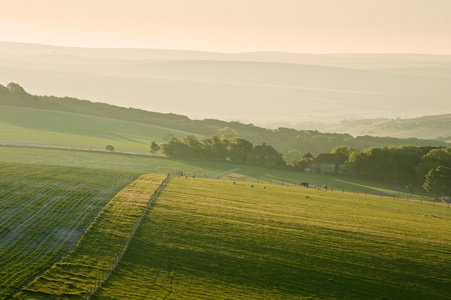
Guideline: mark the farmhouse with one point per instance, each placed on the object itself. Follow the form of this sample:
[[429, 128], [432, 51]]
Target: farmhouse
[[328, 163], [264, 155]]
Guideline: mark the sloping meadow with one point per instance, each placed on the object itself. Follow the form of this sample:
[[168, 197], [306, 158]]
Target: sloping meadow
[[205, 239], [99, 249], [43, 212]]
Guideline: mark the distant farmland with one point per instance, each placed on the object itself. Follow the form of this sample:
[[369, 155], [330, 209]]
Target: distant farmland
[[42, 127], [205, 239], [43, 212]]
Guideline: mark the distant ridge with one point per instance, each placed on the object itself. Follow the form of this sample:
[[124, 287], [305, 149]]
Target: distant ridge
[[252, 87], [362, 60], [282, 139]]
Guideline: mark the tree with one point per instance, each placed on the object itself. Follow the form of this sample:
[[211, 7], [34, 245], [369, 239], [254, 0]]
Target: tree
[[438, 181], [174, 148], [154, 148], [406, 158], [343, 150], [432, 160], [109, 148], [308, 156], [293, 155], [195, 148], [372, 163], [227, 132], [239, 148], [304, 162], [216, 147]]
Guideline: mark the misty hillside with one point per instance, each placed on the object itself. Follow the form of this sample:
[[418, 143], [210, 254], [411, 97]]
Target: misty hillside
[[291, 142], [426, 127], [261, 88]]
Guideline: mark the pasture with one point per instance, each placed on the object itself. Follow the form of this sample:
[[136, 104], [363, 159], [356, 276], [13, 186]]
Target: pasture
[[205, 239], [43, 212], [99, 246], [201, 168], [42, 127]]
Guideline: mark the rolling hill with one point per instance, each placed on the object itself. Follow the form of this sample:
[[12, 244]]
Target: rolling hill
[[73, 122], [427, 127], [46, 127], [44, 210], [204, 239], [260, 88]]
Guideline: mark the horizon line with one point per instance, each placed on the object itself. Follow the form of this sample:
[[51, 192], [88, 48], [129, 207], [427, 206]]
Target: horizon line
[[217, 51]]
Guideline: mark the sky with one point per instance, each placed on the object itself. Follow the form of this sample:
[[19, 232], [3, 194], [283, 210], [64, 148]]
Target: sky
[[303, 26]]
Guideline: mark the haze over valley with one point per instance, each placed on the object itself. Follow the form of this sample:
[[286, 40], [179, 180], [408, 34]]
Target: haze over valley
[[270, 89]]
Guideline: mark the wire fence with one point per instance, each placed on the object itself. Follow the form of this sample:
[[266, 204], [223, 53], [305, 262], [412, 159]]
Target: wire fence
[[91, 148], [382, 193], [118, 258]]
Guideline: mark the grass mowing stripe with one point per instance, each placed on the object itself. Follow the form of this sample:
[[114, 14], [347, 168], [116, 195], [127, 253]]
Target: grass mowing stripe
[[40, 210], [207, 239], [98, 247]]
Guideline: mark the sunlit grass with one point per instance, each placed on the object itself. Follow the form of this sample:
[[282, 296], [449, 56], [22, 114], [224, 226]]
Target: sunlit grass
[[43, 212], [98, 247], [212, 239], [28, 125], [202, 168]]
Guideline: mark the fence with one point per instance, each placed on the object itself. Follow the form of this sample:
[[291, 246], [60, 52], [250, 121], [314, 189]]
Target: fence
[[115, 263], [383, 193], [90, 148]]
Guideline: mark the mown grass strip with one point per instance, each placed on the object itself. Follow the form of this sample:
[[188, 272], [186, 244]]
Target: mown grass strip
[[98, 247], [211, 239], [43, 212]]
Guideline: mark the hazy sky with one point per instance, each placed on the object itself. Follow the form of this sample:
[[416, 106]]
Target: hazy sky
[[306, 26]]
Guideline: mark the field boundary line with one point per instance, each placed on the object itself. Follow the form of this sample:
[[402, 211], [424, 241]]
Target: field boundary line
[[118, 258]]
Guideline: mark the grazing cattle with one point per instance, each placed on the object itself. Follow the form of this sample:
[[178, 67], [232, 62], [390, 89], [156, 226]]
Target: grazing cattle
[[234, 182], [264, 187], [304, 184], [252, 185]]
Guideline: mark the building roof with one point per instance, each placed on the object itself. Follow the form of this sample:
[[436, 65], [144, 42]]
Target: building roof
[[263, 150], [330, 158]]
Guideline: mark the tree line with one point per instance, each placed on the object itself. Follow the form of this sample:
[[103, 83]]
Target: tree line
[[425, 166], [285, 140], [212, 147], [428, 167]]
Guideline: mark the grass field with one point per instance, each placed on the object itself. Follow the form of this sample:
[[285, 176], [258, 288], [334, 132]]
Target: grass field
[[205, 239], [34, 126], [209, 169], [98, 247], [43, 212]]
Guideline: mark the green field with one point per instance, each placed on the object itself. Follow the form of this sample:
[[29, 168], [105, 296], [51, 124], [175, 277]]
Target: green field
[[99, 246], [200, 168], [205, 239], [43, 212], [42, 127]]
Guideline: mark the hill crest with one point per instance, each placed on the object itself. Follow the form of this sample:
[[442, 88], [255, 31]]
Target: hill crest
[[285, 140]]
